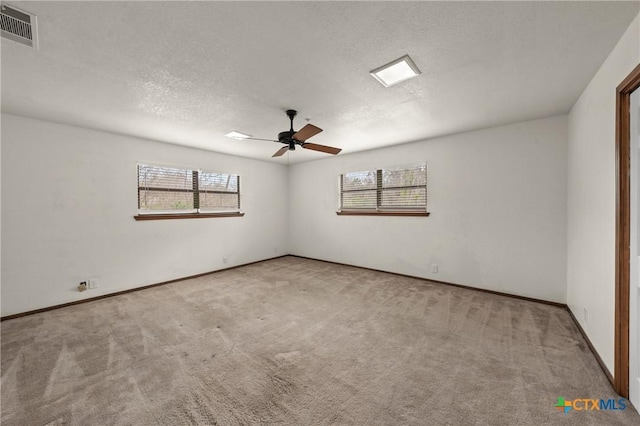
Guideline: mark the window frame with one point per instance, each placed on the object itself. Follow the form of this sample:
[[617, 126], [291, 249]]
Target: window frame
[[380, 210], [192, 213]]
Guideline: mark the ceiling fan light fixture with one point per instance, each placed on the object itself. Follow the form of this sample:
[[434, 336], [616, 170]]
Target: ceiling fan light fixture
[[396, 71], [237, 135]]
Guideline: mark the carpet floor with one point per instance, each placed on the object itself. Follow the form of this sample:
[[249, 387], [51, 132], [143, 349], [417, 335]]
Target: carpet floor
[[292, 341]]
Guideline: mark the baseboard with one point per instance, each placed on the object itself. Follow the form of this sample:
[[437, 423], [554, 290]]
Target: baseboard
[[603, 366], [118, 293], [499, 293], [103, 296]]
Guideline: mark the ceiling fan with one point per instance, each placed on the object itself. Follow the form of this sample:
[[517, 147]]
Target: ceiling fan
[[291, 138]]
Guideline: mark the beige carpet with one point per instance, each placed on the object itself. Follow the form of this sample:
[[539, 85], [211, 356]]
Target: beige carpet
[[292, 341]]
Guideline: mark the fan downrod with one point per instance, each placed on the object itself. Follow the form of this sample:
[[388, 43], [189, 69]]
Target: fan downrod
[[291, 113], [287, 137]]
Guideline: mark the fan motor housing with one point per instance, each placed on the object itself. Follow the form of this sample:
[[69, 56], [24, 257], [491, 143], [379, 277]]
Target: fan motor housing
[[287, 136]]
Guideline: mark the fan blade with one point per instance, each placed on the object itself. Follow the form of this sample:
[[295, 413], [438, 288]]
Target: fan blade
[[260, 139], [306, 132], [281, 151], [322, 148]]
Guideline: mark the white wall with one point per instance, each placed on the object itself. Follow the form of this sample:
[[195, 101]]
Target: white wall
[[68, 200], [591, 202], [0, 217], [497, 199]]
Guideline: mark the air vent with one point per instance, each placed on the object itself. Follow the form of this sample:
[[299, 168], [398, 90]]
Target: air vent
[[18, 26]]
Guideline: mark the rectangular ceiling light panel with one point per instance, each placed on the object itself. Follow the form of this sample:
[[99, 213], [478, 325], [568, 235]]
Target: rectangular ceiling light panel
[[396, 71], [237, 135]]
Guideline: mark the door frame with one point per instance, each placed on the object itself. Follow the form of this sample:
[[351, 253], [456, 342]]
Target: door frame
[[623, 235]]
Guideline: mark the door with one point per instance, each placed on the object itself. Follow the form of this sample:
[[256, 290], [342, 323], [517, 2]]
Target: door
[[634, 261]]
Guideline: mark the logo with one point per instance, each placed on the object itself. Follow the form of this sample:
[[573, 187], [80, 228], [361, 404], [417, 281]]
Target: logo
[[563, 405], [588, 404]]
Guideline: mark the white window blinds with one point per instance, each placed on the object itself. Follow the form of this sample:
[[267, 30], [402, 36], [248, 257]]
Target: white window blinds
[[164, 189], [219, 192], [388, 189], [404, 188], [358, 190]]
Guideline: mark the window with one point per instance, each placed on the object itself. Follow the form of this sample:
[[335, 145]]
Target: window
[[168, 192], [399, 191]]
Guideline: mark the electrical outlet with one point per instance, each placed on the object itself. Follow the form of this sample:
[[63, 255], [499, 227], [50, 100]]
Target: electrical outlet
[[434, 268], [93, 283], [82, 286], [585, 314], [224, 259]]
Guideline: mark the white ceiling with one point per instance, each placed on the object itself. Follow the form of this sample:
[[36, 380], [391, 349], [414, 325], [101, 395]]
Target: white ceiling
[[189, 72]]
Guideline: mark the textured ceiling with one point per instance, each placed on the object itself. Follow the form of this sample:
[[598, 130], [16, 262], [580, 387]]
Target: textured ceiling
[[189, 72]]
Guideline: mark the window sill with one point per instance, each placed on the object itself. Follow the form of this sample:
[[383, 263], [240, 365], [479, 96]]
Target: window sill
[[381, 213], [185, 216]]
